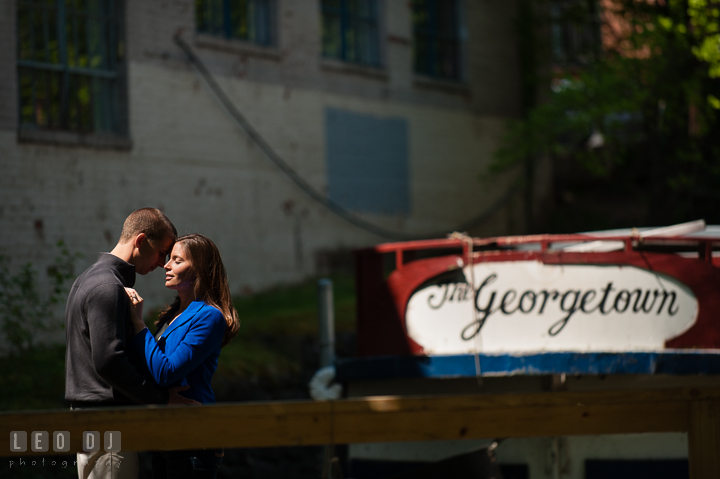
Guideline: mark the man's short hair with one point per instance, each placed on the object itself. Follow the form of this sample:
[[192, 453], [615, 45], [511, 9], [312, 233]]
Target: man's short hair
[[150, 221]]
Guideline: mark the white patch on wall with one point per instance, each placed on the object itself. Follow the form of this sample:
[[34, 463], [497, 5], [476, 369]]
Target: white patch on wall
[[528, 306]]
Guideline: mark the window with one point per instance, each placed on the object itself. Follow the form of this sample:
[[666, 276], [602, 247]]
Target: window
[[575, 31], [350, 31], [436, 38], [249, 20], [70, 65], [367, 162]]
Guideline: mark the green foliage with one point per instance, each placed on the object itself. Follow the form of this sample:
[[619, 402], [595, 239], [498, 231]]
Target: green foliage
[[24, 309], [37, 381], [704, 16], [293, 309], [652, 96], [275, 324]]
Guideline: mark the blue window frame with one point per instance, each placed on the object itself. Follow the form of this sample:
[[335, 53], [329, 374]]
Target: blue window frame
[[350, 31], [70, 65], [249, 20], [368, 162], [436, 38]]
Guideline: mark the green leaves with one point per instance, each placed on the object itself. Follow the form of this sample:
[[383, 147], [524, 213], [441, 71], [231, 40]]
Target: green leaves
[[647, 109], [25, 307], [705, 29], [713, 101]]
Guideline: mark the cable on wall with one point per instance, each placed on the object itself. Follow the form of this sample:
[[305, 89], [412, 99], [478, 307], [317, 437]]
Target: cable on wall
[[305, 186]]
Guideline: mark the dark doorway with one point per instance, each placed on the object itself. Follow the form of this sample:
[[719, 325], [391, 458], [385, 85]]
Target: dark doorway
[[634, 469]]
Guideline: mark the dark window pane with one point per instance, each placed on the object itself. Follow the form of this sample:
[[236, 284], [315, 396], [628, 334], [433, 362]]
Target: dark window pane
[[38, 34], [99, 104], [239, 19], [575, 31], [201, 15], [363, 44], [79, 5], [420, 50], [54, 111], [41, 98], [66, 64], [349, 31], [362, 8], [86, 101], [353, 6], [53, 43], [446, 21], [79, 103], [249, 20], [260, 28], [72, 106], [94, 6], [82, 42], [26, 84], [331, 40], [24, 31], [69, 41], [96, 44], [448, 59], [350, 53], [637, 468], [420, 14], [436, 38], [334, 4], [217, 15], [204, 10]]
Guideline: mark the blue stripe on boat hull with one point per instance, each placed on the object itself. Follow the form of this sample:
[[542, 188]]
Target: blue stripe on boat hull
[[458, 366]]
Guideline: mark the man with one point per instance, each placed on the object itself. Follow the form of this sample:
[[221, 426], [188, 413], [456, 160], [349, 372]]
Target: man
[[98, 370]]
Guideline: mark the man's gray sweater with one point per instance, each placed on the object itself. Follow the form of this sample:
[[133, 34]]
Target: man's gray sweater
[[98, 366]]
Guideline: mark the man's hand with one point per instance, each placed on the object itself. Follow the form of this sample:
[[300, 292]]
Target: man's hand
[[176, 398]]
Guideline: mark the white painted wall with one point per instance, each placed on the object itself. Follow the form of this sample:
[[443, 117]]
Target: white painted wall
[[193, 162]]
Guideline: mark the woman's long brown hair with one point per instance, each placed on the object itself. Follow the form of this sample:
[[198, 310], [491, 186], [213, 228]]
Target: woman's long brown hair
[[211, 284]]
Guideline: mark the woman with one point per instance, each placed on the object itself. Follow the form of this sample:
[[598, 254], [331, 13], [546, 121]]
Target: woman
[[186, 347]]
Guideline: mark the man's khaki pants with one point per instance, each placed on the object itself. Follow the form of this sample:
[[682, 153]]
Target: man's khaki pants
[[107, 465]]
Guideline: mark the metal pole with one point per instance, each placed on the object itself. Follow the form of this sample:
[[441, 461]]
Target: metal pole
[[326, 319]]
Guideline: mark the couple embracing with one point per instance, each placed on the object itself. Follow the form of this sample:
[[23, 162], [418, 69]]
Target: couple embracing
[[113, 360]]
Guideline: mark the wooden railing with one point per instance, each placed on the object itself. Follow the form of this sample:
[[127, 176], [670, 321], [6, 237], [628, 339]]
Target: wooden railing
[[394, 418]]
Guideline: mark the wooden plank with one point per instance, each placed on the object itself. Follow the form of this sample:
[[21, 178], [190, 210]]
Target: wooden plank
[[375, 419], [519, 422], [146, 428], [704, 439]]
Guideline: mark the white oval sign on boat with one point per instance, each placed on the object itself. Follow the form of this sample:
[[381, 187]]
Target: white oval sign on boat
[[527, 306]]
